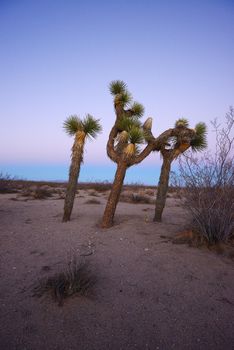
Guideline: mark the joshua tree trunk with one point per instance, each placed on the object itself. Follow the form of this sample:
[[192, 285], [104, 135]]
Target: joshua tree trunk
[[77, 158], [162, 188], [107, 220]]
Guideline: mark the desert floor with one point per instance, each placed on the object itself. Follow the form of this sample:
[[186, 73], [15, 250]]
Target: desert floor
[[150, 293]]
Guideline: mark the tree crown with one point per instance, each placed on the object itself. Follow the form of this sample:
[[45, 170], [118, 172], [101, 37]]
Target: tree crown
[[199, 141], [90, 126]]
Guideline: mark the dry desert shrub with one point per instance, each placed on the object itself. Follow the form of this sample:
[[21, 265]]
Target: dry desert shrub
[[135, 198], [209, 186], [42, 193], [76, 278], [37, 192], [93, 201], [96, 186], [7, 184], [93, 193], [150, 192]]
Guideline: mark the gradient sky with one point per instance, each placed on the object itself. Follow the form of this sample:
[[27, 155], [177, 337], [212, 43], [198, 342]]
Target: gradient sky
[[58, 57]]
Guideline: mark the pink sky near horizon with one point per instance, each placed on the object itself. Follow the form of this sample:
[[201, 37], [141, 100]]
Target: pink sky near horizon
[[57, 59]]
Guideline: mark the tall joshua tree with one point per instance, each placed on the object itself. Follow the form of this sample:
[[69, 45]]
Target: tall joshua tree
[[125, 137], [181, 139], [81, 129]]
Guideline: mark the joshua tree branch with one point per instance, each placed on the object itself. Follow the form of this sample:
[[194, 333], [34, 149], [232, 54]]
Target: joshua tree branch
[[110, 144], [146, 151], [158, 144]]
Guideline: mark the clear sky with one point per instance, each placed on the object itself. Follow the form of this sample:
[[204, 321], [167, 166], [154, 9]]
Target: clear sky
[[58, 57]]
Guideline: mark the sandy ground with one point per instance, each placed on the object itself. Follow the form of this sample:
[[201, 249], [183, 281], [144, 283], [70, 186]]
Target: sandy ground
[[150, 293]]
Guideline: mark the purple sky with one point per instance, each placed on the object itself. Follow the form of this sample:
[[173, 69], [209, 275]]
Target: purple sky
[[58, 57]]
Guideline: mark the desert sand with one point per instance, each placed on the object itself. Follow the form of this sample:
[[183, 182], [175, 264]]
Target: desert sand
[[150, 293]]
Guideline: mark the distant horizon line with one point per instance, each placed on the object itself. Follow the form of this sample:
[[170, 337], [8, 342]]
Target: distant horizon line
[[144, 174]]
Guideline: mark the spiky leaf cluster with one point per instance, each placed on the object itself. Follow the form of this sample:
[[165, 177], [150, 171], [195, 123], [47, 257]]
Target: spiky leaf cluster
[[126, 123], [133, 128], [72, 124], [124, 98], [117, 87], [136, 135], [199, 142], [137, 109], [131, 135], [119, 90], [182, 122], [90, 126]]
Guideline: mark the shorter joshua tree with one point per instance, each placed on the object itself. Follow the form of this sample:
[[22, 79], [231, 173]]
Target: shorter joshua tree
[[179, 139], [81, 129]]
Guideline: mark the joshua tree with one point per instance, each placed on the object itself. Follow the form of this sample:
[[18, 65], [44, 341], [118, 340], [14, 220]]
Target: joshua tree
[[81, 129], [128, 133], [181, 139], [125, 137]]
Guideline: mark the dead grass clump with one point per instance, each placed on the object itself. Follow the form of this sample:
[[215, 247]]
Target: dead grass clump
[[27, 192], [92, 201], [96, 186], [135, 198], [75, 279], [101, 186], [61, 196], [150, 192], [42, 193], [189, 237], [93, 193], [37, 192]]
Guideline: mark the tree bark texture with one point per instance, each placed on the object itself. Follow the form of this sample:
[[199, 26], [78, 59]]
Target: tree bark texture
[[162, 188], [77, 158], [108, 217]]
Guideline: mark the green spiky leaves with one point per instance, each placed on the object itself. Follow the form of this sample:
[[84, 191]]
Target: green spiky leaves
[[136, 135], [182, 122], [199, 142], [131, 135], [126, 123], [117, 87], [72, 124], [122, 96], [124, 99], [90, 126], [137, 109]]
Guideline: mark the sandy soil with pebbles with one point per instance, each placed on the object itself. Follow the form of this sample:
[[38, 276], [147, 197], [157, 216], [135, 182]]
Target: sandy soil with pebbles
[[150, 293]]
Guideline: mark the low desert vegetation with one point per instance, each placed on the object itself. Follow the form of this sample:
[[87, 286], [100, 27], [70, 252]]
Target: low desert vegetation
[[93, 201], [37, 192], [42, 193], [6, 183], [136, 198], [96, 186], [75, 279], [93, 193], [208, 186]]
